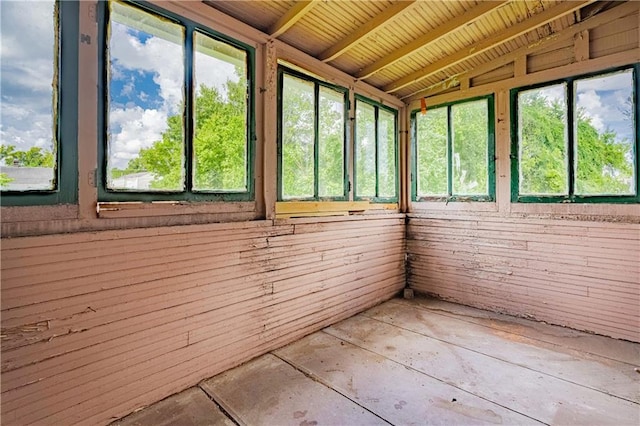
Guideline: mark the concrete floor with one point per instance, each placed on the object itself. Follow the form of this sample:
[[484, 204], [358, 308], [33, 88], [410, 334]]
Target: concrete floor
[[421, 361]]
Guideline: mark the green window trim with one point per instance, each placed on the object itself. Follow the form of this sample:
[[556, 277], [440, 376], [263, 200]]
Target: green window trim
[[377, 106], [188, 194], [65, 120], [491, 163], [572, 197], [317, 84]]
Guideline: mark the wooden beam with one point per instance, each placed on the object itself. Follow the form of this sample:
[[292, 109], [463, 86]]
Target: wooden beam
[[367, 29], [497, 39], [292, 16], [466, 18], [557, 38], [581, 46]]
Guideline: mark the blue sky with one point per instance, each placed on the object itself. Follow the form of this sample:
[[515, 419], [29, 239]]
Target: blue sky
[[147, 82], [27, 74]]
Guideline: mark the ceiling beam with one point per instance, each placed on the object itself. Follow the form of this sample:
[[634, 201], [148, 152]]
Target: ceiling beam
[[548, 42], [365, 30], [465, 19], [497, 39], [292, 16]]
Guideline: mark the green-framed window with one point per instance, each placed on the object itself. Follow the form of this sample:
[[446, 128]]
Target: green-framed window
[[179, 115], [376, 151], [311, 138], [454, 151], [38, 112], [576, 140]]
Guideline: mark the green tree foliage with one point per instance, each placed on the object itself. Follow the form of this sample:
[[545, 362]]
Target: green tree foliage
[[5, 179], [220, 144], [331, 144], [297, 138], [365, 150], [604, 162], [470, 148], [432, 134], [469, 140], [386, 154], [603, 165], [543, 145], [33, 157]]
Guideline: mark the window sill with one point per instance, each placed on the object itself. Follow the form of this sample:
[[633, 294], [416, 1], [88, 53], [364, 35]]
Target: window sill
[[483, 206], [169, 208], [291, 209]]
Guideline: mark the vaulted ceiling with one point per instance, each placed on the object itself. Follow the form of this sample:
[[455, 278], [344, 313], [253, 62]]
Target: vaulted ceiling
[[405, 47]]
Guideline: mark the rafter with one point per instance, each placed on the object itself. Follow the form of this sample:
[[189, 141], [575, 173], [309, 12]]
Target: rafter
[[292, 16], [370, 27], [466, 18], [510, 33], [521, 53]]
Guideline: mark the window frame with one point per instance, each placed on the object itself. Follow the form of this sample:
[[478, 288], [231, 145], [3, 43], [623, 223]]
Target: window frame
[[282, 70], [65, 120], [188, 118], [377, 106], [571, 197], [491, 154]]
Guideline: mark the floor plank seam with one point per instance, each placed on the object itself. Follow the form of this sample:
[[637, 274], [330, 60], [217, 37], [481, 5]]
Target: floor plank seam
[[501, 360], [433, 377], [327, 385], [220, 406], [449, 314]]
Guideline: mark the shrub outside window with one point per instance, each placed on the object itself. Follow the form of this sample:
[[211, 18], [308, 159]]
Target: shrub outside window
[[179, 115], [454, 152], [312, 138], [39, 124], [576, 140], [376, 152]]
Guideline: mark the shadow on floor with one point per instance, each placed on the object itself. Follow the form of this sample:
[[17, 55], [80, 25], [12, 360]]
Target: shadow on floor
[[421, 361]]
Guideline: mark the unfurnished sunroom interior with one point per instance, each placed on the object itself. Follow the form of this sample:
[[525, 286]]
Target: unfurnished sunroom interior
[[189, 185]]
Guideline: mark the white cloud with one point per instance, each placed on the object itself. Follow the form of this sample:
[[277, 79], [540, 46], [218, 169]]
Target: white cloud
[[27, 73], [593, 108], [603, 100], [133, 129], [616, 81], [134, 53]]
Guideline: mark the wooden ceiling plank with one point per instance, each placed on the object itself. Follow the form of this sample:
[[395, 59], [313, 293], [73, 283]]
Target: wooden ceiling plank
[[369, 28], [555, 39], [488, 43], [466, 18], [291, 17]]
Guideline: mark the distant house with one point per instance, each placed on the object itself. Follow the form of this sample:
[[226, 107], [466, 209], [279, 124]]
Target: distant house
[[27, 178], [141, 180]]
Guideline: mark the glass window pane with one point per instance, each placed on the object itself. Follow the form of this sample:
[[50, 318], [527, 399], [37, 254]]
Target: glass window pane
[[386, 154], [146, 86], [604, 130], [28, 84], [220, 133], [297, 138], [365, 148], [470, 140], [331, 143], [431, 140], [543, 141]]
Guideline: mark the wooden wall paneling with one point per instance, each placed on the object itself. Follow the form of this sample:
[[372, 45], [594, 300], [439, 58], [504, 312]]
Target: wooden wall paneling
[[582, 274], [74, 338]]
